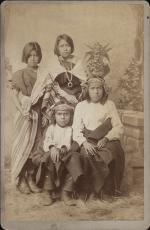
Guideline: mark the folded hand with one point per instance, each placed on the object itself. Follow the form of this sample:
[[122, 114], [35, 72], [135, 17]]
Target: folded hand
[[101, 143], [89, 148], [55, 154]]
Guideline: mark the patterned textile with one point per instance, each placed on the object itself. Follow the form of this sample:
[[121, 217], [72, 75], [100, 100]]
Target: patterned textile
[[25, 133], [26, 129]]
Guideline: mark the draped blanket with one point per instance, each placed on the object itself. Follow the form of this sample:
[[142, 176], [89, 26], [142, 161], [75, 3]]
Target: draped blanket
[[25, 133], [55, 92], [25, 129], [78, 70]]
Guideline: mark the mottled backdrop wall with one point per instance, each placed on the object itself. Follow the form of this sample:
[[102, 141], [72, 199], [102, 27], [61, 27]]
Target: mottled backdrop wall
[[85, 22], [116, 23]]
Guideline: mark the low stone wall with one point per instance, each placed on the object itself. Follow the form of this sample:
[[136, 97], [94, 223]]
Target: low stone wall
[[133, 143]]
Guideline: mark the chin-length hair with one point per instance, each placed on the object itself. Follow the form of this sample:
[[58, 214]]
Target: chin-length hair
[[29, 47], [65, 37]]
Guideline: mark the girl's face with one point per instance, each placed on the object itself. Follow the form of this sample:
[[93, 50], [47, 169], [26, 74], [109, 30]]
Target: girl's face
[[33, 59], [62, 118], [64, 48], [95, 93]]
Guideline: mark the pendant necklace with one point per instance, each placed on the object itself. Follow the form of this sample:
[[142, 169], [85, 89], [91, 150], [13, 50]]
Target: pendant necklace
[[69, 78]]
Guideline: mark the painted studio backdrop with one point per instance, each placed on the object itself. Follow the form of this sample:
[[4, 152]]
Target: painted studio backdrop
[[119, 25]]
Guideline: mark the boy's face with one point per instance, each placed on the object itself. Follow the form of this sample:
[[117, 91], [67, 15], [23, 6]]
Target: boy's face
[[62, 118], [33, 59], [95, 93], [64, 48]]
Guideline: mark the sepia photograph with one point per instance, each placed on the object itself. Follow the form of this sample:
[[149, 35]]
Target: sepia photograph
[[75, 115]]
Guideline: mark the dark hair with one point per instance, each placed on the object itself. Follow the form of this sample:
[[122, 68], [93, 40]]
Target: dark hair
[[102, 100], [65, 37], [29, 47], [53, 120], [62, 101]]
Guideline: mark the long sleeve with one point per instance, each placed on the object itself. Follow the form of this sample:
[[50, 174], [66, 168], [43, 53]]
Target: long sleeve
[[117, 127], [78, 125], [48, 139]]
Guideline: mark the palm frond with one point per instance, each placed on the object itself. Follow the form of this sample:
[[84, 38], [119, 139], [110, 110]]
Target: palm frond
[[107, 50], [105, 46], [106, 56], [89, 46]]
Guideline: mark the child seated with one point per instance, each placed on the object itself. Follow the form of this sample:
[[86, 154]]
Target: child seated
[[97, 129], [59, 163]]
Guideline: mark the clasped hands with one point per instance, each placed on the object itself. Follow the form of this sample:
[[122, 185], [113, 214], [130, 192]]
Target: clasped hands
[[56, 153], [91, 149]]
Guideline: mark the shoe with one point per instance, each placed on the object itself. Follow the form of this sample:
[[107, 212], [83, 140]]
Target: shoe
[[107, 197], [117, 194], [33, 187], [55, 196], [92, 197], [23, 186], [67, 199], [47, 199]]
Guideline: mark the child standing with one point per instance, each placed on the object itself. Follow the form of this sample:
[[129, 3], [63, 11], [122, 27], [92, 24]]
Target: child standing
[[67, 72], [27, 90], [59, 163]]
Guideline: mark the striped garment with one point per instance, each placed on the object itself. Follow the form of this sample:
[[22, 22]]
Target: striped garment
[[26, 130], [25, 133]]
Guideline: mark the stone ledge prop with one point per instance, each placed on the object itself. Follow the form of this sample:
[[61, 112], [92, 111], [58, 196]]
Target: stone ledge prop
[[133, 137], [133, 143]]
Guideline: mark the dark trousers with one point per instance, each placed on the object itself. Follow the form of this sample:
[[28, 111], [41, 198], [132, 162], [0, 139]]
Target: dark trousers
[[65, 174], [104, 170], [50, 183]]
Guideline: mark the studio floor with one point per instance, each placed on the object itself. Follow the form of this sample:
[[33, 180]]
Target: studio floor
[[28, 207]]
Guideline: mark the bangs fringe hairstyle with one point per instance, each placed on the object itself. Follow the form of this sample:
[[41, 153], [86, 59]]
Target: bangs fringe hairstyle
[[65, 37], [29, 47]]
